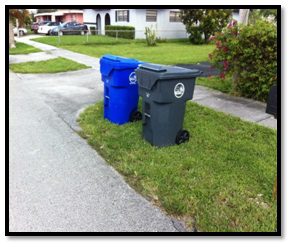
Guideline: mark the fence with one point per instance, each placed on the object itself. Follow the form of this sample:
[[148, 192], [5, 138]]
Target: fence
[[93, 35]]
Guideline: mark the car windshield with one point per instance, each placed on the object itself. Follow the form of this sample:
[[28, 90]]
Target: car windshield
[[52, 24]]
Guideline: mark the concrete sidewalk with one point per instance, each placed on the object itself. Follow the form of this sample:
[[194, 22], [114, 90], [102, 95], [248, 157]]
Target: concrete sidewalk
[[54, 51], [31, 57], [246, 109]]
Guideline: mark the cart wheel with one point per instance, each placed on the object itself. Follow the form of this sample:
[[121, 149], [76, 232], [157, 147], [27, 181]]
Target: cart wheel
[[182, 136], [135, 116]]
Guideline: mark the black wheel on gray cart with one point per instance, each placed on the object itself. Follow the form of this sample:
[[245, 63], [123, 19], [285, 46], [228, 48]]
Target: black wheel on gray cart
[[135, 116], [182, 136]]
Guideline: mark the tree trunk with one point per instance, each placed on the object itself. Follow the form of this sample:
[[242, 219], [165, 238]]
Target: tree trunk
[[206, 36], [11, 36], [243, 16]]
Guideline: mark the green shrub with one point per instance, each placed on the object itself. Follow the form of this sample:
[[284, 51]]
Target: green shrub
[[161, 40], [93, 30], [196, 36], [127, 32], [249, 54], [204, 22], [150, 36]]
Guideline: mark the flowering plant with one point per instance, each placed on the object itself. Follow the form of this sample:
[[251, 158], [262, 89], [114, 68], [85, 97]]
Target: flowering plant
[[249, 55]]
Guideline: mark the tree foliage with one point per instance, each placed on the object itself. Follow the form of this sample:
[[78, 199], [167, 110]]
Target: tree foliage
[[23, 16], [262, 14], [202, 23]]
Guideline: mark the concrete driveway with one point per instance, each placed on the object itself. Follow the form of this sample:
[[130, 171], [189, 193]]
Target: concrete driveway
[[57, 182]]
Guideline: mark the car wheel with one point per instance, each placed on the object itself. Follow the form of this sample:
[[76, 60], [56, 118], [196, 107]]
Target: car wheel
[[21, 33]]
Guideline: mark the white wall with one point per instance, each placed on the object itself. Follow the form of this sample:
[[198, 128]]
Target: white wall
[[165, 29], [137, 19], [89, 15]]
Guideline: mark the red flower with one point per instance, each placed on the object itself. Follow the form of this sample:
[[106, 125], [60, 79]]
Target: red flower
[[225, 49], [222, 75], [225, 64], [235, 32], [218, 44], [212, 37], [232, 24]]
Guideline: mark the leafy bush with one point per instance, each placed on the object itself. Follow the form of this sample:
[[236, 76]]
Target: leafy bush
[[202, 23], [127, 32], [161, 40], [93, 30], [196, 36], [150, 36], [249, 54]]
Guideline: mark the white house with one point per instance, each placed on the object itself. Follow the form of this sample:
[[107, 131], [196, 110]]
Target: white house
[[166, 22]]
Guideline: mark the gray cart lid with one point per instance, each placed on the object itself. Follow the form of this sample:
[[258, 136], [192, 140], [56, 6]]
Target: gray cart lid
[[149, 74]]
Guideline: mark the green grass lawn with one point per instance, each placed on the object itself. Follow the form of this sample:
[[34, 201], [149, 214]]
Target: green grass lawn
[[22, 48], [170, 52], [221, 180], [216, 83], [55, 65]]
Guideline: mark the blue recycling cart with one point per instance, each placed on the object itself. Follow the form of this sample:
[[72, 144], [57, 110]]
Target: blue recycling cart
[[120, 89]]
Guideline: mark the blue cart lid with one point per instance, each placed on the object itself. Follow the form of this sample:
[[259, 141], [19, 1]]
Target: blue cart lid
[[110, 62]]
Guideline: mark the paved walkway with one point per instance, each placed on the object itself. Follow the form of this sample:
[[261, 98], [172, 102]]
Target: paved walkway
[[37, 56], [246, 109], [54, 51]]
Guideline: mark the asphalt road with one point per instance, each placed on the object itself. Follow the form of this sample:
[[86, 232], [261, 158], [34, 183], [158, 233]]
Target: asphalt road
[[57, 182]]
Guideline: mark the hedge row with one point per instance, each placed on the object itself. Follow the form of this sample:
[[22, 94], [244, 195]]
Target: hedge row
[[127, 32]]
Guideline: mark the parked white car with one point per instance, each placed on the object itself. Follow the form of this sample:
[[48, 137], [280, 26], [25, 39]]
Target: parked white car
[[22, 31], [45, 29]]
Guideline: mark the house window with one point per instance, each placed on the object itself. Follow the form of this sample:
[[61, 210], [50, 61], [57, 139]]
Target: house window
[[151, 15], [174, 16], [122, 15]]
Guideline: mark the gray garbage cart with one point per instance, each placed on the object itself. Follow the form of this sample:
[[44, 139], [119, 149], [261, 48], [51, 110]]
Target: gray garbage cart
[[164, 91]]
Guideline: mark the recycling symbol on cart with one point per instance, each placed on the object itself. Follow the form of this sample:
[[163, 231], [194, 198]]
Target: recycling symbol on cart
[[179, 90], [132, 78]]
